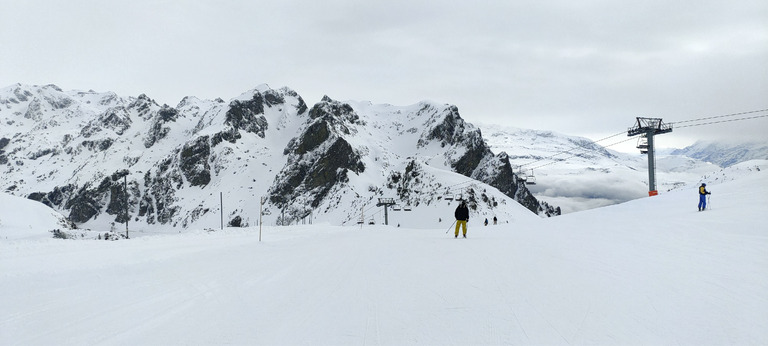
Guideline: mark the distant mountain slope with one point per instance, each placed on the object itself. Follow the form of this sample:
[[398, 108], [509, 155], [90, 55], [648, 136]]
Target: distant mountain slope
[[725, 154], [102, 159], [577, 174]]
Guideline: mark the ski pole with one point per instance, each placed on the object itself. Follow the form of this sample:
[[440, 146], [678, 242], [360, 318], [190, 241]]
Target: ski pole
[[449, 228], [709, 204]]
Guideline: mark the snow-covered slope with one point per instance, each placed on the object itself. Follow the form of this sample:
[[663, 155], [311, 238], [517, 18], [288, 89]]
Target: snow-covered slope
[[21, 218], [650, 271]]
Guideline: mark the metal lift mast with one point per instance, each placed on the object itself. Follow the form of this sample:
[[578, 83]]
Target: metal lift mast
[[386, 202], [648, 127]]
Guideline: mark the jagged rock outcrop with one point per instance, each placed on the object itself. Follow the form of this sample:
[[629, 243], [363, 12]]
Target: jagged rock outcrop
[[193, 161], [318, 159], [478, 161]]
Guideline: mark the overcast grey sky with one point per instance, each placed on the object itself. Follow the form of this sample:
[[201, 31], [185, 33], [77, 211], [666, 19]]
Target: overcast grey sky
[[586, 67]]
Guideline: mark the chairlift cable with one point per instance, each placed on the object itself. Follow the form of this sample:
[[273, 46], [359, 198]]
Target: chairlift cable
[[720, 116], [725, 121]]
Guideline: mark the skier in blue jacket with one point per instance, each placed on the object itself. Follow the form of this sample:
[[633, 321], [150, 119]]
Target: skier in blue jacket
[[703, 196]]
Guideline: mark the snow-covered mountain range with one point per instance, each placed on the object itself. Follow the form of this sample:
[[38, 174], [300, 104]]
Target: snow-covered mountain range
[[725, 154], [95, 155], [79, 151]]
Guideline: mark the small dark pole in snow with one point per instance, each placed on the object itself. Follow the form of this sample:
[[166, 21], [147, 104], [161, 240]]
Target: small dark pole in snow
[[125, 190], [261, 212], [221, 202]]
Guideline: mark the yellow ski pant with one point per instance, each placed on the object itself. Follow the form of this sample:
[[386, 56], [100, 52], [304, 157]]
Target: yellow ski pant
[[463, 224]]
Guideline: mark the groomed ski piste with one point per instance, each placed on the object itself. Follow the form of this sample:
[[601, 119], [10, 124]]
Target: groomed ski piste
[[650, 271]]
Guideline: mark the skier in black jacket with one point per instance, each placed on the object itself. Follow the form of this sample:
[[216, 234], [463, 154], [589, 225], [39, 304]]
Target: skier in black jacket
[[462, 216]]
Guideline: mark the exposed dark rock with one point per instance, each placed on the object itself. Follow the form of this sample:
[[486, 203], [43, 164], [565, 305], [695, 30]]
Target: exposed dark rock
[[59, 102], [22, 95], [54, 198], [41, 153], [314, 135], [273, 98], [158, 131], [3, 143], [143, 106], [237, 221], [301, 107], [116, 119], [332, 165], [230, 135], [159, 201], [248, 115], [450, 131], [194, 162], [85, 204], [314, 178], [335, 113], [471, 159], [99, 145]]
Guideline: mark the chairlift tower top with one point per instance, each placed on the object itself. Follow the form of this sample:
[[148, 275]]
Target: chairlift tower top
[[648, 127]]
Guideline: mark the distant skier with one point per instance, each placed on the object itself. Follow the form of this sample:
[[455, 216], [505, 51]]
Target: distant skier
[[486, 221], [462, 216], [495, 220], [703, 196]]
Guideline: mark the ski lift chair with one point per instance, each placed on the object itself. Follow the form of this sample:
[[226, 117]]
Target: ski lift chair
[[407, 208], [531, 179], [396, 208], [642, 144]]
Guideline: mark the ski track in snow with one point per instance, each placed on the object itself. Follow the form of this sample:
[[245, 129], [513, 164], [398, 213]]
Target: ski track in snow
[[651, 271]]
